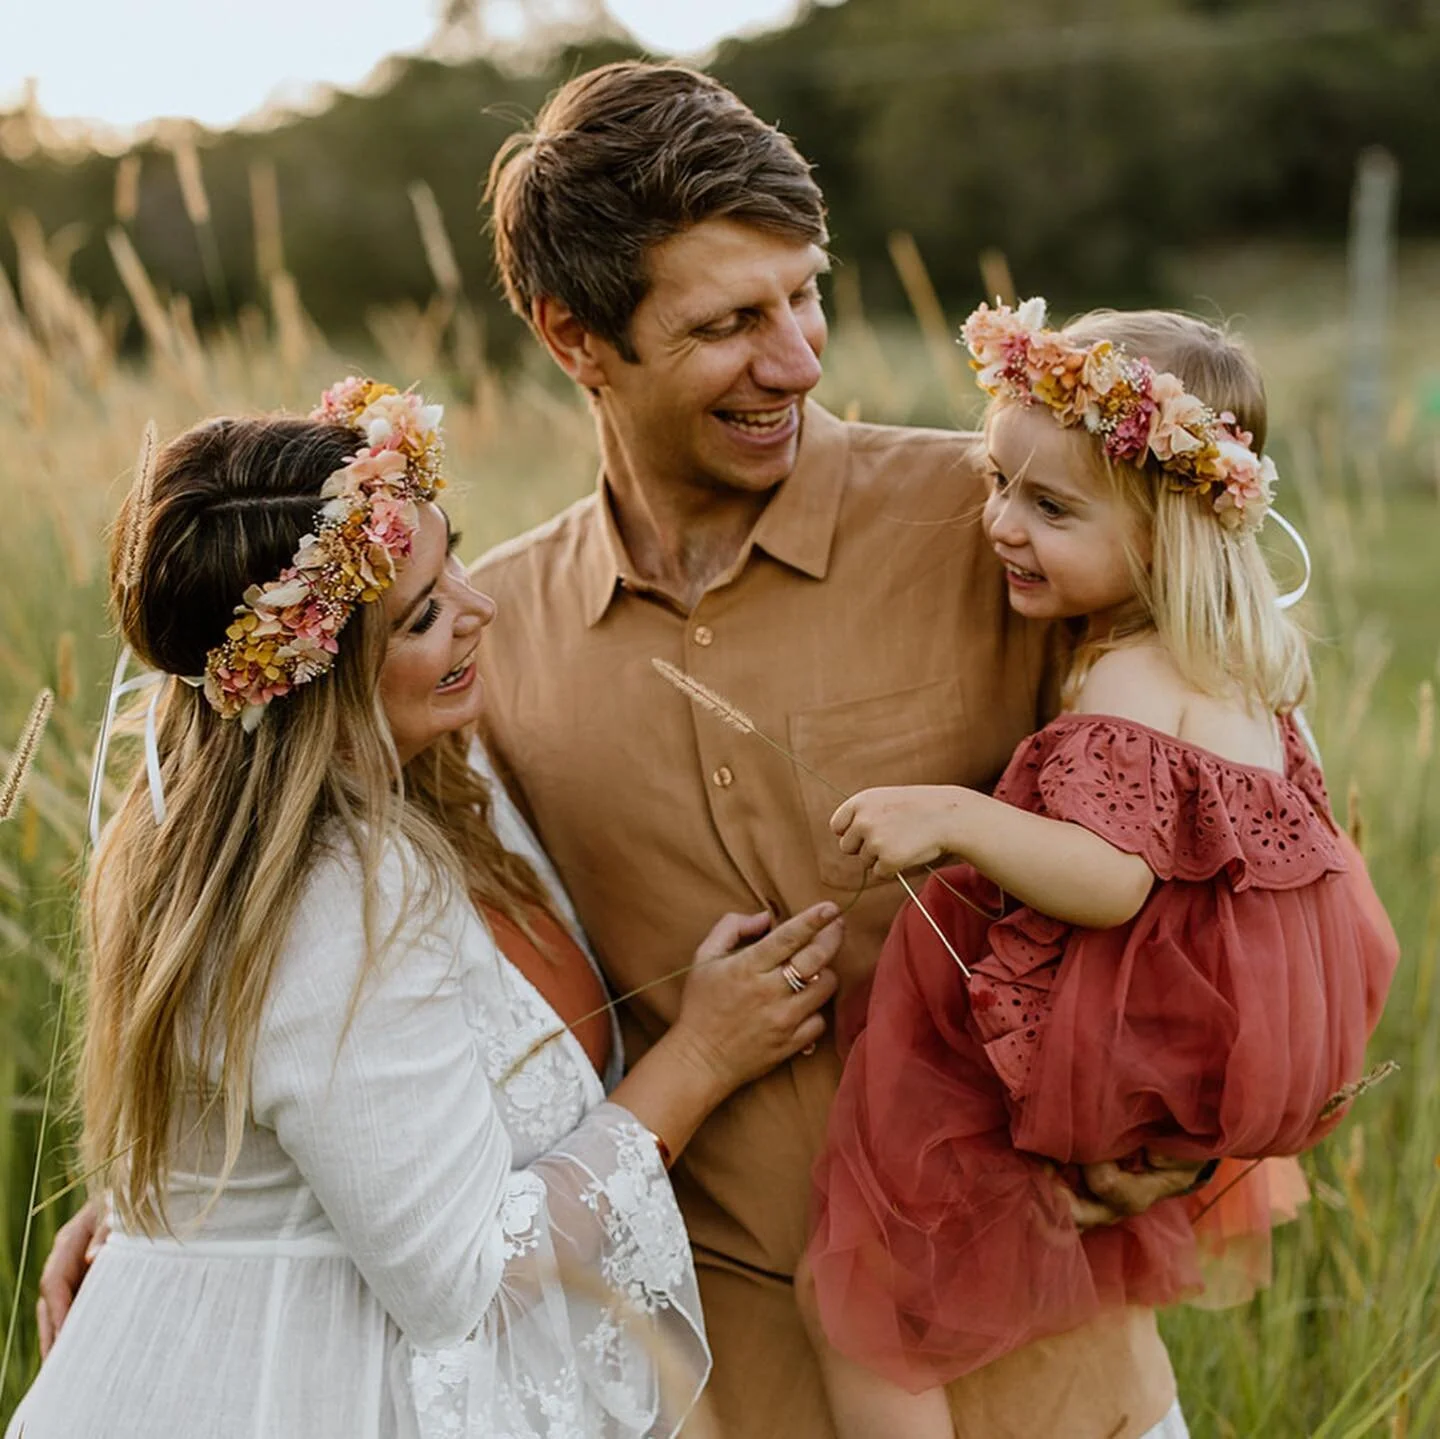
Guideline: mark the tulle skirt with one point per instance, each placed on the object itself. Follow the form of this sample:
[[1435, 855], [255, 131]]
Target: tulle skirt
[[1218, 1023]]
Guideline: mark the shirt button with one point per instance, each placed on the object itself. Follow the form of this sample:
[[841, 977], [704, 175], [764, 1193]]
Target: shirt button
[[723, 777], [703, 636]]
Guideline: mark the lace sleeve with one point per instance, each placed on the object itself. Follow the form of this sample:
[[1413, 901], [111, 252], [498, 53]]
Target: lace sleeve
[[595, 1332], [554, 1301]]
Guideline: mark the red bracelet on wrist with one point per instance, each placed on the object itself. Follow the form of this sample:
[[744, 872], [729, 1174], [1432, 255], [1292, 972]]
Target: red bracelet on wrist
[[662, 1149]]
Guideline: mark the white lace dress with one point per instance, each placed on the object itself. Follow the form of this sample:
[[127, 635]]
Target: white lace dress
[[416, 1242]]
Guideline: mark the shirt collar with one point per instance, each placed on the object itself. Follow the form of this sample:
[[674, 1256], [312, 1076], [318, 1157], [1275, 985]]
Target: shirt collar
[[797, 527]]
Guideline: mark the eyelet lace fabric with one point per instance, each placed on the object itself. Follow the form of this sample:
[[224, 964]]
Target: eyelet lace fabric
[[1191, 815], [1188, 813], [1218, 1021]]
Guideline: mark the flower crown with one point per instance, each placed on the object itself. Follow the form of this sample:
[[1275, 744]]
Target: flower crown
[[1137, 413], [284, 634]]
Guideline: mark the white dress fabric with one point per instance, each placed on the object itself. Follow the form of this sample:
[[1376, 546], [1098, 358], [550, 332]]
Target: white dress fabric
[[428, 1235]]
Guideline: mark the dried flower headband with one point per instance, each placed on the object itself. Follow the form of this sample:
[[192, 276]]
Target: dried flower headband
[[284, 634], [1135, 412]]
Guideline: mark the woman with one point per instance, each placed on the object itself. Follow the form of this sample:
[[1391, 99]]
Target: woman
[[341, 1074]]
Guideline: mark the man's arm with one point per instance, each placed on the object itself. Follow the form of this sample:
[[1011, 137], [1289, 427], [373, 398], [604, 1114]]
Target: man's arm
[[1113, 1194]]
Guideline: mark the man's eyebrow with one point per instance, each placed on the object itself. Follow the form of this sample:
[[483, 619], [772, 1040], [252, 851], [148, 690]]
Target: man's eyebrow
[[701, 318]]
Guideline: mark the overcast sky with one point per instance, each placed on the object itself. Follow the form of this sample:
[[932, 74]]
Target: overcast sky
[[124, 62]]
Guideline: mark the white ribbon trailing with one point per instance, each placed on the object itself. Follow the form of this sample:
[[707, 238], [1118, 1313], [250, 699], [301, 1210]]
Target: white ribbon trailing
[[119, 688], [1286, 601], [1293, 597]]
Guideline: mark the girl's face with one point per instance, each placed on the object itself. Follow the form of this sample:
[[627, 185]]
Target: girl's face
[[428, 682], [1062, 532]]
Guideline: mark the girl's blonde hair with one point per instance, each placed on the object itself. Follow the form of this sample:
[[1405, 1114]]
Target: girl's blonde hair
[[1207, 591], [186, 920]]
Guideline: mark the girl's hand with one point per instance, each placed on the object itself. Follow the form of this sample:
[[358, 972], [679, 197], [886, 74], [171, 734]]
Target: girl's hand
[[740, 1013], [900, 827]]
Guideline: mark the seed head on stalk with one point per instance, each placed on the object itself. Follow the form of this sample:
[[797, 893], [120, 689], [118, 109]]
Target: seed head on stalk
[[142, 488], [20, 761]]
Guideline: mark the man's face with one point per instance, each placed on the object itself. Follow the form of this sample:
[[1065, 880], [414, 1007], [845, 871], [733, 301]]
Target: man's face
[[729, 340]]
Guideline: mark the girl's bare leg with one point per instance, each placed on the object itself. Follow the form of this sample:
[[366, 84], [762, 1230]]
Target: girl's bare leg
[[864, 1405]]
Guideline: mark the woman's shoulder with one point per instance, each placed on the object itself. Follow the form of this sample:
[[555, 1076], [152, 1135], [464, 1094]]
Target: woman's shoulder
[[364, 907]]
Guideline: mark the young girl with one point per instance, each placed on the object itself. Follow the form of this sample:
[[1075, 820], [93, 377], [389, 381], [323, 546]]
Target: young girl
[[1169, 952]]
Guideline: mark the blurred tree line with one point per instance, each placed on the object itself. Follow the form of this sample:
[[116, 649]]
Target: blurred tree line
[[1081, 139]]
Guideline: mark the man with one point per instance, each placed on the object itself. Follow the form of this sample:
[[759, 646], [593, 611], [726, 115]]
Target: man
[[830, 580]]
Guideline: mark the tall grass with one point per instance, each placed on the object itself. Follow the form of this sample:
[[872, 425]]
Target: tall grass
[[1345, 1342]]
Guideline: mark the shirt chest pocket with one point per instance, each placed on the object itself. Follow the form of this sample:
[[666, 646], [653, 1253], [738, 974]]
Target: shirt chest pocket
[[912, 736]]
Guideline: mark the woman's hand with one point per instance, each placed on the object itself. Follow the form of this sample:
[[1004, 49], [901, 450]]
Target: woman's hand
[[754, 995], [751, 1000], [74, 1249], [900, 827]]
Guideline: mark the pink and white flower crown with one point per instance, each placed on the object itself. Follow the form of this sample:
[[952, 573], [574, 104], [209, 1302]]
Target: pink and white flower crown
[[1136, 413], [284, 634]]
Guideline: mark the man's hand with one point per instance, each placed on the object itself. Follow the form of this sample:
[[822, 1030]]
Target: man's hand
[[1113, 1194], [75, 1247]]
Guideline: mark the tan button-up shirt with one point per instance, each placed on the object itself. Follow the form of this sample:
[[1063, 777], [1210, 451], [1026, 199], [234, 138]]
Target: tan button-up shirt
[[865, 626]]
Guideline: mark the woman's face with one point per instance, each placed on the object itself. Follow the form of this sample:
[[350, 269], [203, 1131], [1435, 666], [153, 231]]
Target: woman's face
[[429, 685]]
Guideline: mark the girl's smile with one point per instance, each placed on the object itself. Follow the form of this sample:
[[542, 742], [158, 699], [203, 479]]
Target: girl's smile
[[1067, 540]]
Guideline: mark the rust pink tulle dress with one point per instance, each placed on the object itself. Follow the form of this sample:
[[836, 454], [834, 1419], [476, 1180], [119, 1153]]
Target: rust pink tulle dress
[[1217, 1022]]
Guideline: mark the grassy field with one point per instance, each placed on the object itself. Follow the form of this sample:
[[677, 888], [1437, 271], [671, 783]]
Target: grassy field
[[1346, 1341]]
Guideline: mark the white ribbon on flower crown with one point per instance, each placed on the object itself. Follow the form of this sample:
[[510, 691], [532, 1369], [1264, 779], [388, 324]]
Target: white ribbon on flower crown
[[1293, 597], [1287, 601], [119, 688]]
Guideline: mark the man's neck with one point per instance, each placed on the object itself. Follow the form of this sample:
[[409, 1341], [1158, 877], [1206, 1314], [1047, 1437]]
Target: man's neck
[[680, 538]]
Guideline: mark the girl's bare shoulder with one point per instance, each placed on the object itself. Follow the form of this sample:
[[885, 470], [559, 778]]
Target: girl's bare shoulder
[[1138, 682]]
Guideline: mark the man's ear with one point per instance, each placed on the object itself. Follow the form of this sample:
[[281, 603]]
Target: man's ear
[[578, 351]]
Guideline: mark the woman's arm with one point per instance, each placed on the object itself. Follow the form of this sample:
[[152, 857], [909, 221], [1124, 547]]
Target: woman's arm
[[1058, 868], [388, 1113]]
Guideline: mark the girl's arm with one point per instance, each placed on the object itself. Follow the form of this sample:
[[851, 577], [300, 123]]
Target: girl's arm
[[1058, 868]]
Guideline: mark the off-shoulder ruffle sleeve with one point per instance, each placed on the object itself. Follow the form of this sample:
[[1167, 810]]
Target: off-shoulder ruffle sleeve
[[1188, 813]]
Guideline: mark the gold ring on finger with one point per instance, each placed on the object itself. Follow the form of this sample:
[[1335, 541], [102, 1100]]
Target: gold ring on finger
[[793, 977]]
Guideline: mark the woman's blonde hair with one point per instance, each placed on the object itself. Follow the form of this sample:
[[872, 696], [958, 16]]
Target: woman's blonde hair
[[1207, 591], [186, 920]]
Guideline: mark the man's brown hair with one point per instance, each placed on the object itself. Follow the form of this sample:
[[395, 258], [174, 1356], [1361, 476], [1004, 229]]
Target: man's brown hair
[[621, 158]]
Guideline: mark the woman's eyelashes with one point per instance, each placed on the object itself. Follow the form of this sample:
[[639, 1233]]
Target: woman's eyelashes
[[428, 616]]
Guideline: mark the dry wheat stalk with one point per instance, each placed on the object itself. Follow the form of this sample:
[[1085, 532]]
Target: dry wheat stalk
[[1357, 1087], [67, 685], [731, 714], [142, 490], [21, 760], [1338, 1100]]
